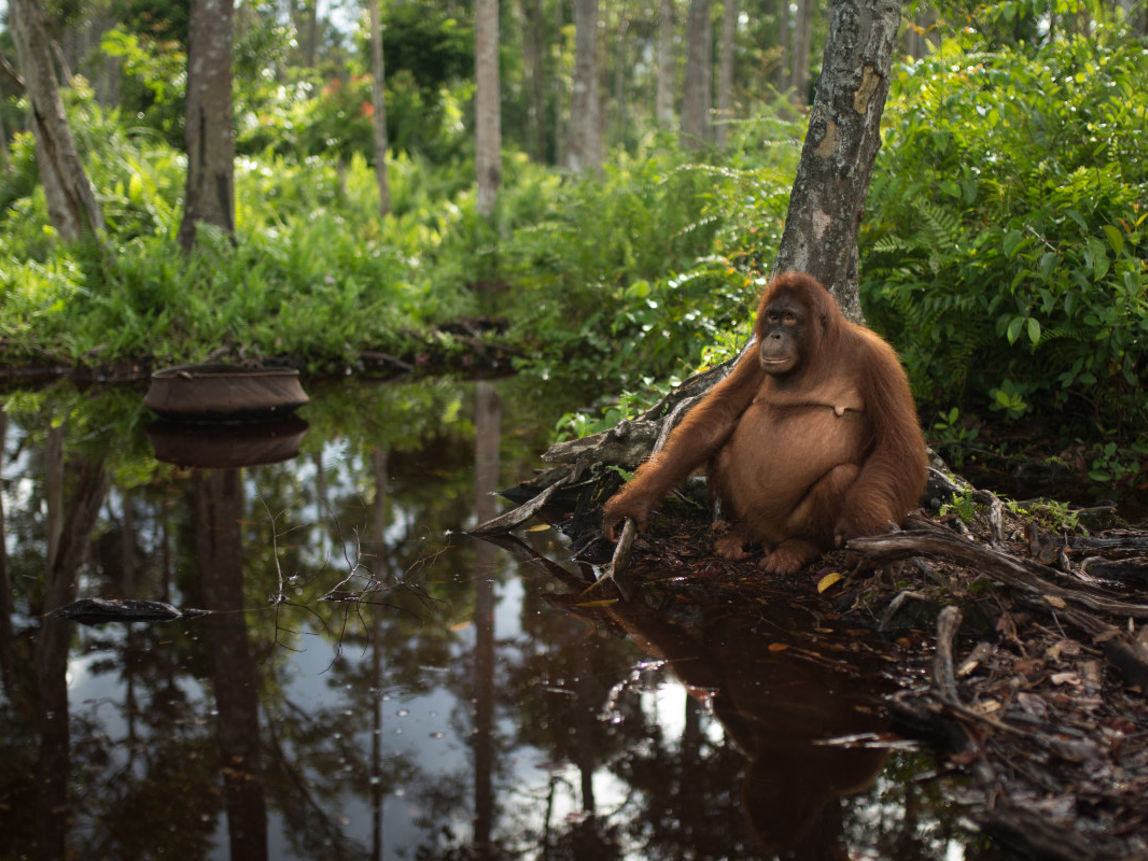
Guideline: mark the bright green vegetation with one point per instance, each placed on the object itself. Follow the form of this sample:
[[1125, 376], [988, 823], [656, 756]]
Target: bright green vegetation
[[1003, 251]]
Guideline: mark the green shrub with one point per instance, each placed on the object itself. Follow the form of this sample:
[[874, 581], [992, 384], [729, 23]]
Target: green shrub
[[1004, 252]]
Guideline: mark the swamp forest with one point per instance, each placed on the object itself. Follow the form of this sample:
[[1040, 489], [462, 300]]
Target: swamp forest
[[503, 243]]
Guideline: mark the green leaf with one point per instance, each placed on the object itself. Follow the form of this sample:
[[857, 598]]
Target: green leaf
[[1034, 330], [1013, 331], [1115, 238]]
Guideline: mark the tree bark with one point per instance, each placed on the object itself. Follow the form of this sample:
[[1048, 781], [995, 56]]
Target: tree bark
[[664, 97], [802, 36], [533, 43], [488, 122], [828, 197], [725, 71], [379, 104], [72, 206], [210, 190], [696, 98], [585, 148]]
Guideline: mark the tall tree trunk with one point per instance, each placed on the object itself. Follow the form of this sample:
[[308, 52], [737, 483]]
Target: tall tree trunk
[[488, 122], [532, 59], [828, 196], [696, 98], [585, 146], [378, 102], [620, 69], [210, 191], [72, 206], [664, 99], [802, 36], [725, 71], [784, 45]]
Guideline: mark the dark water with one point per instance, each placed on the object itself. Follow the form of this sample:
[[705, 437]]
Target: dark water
[[370, 683]]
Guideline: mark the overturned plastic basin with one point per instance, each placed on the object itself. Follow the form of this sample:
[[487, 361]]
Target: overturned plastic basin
[[224, 393]]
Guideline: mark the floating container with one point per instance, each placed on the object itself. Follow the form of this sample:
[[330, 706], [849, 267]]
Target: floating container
[[224, 393]]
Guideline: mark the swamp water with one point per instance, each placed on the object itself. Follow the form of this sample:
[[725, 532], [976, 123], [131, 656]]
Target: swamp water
[[368, 682]]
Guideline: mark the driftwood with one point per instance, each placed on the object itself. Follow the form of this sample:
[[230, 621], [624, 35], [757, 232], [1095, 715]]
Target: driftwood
[[99, 611]]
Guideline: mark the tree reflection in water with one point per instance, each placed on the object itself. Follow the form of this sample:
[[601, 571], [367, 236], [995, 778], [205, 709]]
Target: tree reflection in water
[[444, 702]]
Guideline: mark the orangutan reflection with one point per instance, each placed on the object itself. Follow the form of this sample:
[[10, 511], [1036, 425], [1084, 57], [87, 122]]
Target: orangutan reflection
[[778, 701]]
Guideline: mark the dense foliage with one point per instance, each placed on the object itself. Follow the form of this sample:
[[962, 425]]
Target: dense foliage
[[1003, 250], [1007, 237]]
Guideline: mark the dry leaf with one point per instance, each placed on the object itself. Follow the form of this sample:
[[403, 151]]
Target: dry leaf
[[827, 581]]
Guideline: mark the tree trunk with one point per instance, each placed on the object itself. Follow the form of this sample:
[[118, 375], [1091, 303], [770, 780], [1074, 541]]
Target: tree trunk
[[378, 102], [664, 98], [620, 70], [802, 35], [696, 98], [72, 206], [725, 72], [534, 68], [585, 148], [488, 122], [210, 191], [828, 196], [784, 45]]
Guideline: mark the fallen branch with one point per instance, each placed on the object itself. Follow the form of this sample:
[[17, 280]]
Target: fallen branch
[[1025, 575]]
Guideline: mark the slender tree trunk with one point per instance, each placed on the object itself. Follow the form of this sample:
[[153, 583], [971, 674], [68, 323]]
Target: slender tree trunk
[[488, 123], [784, 45], [620, 69], [696, 98], [72, 206], [802, 35], [532, 54], [210, 192], [585, 147], [378, 102], [725, 71], [664, 99], [828, 196]]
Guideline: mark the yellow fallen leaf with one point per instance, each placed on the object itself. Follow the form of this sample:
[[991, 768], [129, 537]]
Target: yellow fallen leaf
[[827, 581], [778, 647], [1055, 601], [539, 527]]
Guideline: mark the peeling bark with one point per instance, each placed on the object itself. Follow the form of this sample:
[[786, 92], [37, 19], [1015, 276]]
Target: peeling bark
[[828, 197]]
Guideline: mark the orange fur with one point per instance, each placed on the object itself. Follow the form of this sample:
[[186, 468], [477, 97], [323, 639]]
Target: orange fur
[[803, 460]]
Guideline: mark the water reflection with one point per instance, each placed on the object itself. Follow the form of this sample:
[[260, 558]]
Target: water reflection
[[370, 683]]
